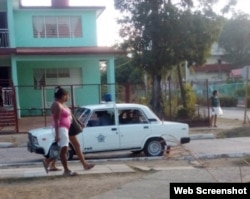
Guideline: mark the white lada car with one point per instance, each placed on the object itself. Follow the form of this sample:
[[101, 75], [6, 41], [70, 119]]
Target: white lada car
[[116, 127]]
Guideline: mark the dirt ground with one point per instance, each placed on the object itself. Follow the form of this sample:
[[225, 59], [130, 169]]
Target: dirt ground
[[86, 186]]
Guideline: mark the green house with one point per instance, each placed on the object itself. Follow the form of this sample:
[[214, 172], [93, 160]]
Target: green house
[[42, 47]]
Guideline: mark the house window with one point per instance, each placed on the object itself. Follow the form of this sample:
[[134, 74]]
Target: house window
[[56, 76], [57, 26]]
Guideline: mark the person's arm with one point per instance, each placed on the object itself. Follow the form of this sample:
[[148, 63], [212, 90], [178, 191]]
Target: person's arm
[[56, 112]]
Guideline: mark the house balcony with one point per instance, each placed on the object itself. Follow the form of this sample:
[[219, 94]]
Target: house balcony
[[4, 38]]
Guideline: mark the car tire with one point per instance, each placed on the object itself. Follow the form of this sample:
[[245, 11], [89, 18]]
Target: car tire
[[154, 147]]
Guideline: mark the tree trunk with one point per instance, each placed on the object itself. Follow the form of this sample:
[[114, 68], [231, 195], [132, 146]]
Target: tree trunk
[[156, 101], [183, 92]]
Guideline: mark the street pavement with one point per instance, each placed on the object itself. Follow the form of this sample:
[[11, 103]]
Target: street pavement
[[157, 185]]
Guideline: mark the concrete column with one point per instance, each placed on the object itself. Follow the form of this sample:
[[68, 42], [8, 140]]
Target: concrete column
[[111, 78], [10, 21], [15, 82]]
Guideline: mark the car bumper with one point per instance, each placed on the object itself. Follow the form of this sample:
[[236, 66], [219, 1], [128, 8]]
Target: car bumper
[[31, 148], [185, 140]]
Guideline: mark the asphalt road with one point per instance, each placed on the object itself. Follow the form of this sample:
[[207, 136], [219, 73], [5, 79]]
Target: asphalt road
[[206, 148], [234, 113], [20, 155]]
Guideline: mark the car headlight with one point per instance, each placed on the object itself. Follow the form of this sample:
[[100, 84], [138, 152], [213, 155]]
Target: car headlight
[[34, 140]]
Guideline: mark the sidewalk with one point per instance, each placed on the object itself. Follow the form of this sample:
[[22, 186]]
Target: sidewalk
[[39, 171]]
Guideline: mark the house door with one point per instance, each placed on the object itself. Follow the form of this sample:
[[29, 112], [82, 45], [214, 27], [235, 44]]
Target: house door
[[4, 84], [5, 76]]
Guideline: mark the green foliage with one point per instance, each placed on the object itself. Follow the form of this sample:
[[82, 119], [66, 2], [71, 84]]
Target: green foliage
[[189, 111], [240, 92], [125, 71], [161, 35], [235, 40], [202, 101], [228, 101]]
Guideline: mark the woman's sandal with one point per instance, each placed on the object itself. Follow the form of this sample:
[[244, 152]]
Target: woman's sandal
[[70, 173], [89, 166]]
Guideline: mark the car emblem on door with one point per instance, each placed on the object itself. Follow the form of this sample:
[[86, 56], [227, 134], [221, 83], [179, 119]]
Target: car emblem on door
[[101, 138]]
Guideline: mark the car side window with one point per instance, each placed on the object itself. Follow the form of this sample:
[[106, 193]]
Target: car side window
[[101, 118], [131, 116]]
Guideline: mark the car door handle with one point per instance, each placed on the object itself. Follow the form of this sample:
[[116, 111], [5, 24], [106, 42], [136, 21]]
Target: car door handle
[[145, 127], [114, 129]]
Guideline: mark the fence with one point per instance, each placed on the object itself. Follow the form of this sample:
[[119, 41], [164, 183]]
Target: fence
[[36, 101], [227, 89]]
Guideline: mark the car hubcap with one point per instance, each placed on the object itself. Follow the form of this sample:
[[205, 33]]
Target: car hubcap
[[155, 148]]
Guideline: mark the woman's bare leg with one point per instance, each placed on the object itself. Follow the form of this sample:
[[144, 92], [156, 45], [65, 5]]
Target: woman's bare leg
[[63, 157], [85, 164], [52, 166], [211, 120], [215, 120]]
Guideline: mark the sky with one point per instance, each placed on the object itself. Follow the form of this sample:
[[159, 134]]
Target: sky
[[107, 27]]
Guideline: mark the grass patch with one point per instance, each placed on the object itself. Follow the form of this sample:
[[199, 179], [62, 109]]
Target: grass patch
[[235, 132]]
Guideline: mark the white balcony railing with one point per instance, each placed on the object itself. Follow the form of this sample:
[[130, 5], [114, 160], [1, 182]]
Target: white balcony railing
[[4, 38]]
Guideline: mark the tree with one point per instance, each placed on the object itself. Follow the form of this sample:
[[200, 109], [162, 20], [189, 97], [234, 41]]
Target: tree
[[161, 35], [126, 72], [235, 40]]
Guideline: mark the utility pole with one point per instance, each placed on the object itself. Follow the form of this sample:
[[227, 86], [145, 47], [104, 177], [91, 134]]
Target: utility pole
[[246, 95]]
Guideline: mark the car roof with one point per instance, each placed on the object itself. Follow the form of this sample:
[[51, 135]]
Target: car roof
[[111, 105]]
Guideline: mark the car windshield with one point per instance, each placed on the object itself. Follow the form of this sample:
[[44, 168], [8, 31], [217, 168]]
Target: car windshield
[[82, 114]]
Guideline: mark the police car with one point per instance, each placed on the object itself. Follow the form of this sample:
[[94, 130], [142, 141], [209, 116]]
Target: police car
[[116, 127]]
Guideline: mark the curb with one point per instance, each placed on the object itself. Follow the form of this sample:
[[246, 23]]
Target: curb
[[6, 144], [214, 156], [202, 136]]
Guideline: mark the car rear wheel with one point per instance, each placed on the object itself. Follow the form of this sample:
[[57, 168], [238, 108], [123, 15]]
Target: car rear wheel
[[154, 147]]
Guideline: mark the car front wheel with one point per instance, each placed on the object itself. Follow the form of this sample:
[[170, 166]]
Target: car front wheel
[[154, 147]]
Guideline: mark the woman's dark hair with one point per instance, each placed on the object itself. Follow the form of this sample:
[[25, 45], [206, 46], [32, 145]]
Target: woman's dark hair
[[214, 92], [60, 92]]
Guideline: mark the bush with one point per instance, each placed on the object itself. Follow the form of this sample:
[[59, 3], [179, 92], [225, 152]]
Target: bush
[[202, 101], [189, 111], [228, 101]]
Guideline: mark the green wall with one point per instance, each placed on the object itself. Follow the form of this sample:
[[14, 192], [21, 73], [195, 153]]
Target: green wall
[[31, 98], [24, 29]]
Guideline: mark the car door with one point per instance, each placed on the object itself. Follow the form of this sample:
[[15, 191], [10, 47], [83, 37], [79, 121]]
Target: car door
[[101, 133], [133, 129]]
